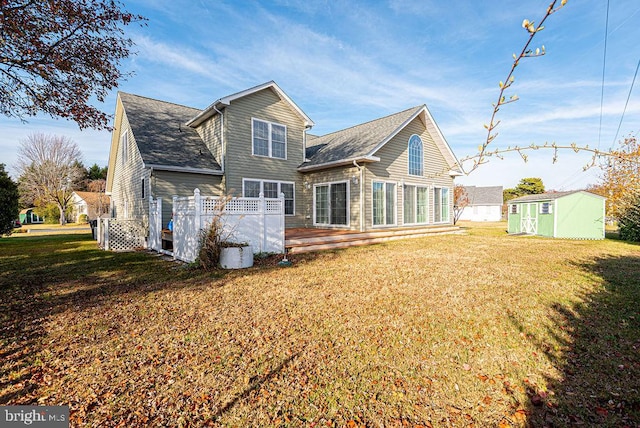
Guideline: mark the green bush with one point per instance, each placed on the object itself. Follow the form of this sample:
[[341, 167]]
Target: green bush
[[83, 219], [629, 220]]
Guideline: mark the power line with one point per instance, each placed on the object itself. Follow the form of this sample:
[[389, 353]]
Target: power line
[[626, 103], [604, 64]]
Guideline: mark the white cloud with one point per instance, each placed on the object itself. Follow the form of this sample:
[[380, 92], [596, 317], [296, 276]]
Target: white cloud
[[176, 56]]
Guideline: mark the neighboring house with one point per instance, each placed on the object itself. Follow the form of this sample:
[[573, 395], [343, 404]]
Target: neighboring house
[[93, 204], [484, 203], [27, 216], [391, 172], [577, 214]]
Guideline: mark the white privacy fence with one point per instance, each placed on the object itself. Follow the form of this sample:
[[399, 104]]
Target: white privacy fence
[[155, 224], [256, 221]]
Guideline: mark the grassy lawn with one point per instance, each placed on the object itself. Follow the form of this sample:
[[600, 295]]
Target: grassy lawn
[[481, 329]]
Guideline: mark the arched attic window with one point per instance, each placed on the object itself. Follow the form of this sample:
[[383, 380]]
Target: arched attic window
[[416, 158]]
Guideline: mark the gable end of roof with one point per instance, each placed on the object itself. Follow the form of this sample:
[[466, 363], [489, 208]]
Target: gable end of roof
[[223, 102]]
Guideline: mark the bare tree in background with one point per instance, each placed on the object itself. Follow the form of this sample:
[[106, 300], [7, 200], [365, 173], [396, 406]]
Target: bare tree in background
[[48, 168]]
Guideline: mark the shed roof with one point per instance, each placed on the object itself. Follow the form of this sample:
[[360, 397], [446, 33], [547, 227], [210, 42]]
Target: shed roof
[[163, 139], [550, 196], [487, 195]]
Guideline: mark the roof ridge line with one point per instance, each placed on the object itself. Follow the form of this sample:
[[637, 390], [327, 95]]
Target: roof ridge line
[[157, 100], [370, 121]]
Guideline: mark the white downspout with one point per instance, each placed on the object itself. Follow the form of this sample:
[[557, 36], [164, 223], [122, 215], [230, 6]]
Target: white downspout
[[355, 163]]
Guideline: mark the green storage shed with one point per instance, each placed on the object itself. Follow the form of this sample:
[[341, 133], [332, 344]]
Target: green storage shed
[[27, 216], [575, 215]]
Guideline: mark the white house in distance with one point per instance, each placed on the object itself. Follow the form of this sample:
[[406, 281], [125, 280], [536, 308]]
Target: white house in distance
[[93, 204], [485, 204]]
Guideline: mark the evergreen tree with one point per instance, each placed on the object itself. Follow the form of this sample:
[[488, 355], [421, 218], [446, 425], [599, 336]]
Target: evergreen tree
[[8, 202]]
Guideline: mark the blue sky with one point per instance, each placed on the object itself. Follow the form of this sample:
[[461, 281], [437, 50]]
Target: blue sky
[[347, 62]]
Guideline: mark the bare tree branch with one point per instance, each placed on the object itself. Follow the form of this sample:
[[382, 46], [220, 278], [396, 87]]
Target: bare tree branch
[[49, 168]]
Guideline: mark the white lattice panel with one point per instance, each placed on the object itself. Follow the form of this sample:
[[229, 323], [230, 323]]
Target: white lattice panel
[[126, 235], [242, 206], [211, 205], [273, 206]]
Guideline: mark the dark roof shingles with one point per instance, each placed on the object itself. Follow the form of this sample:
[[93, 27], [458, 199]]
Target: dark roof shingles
[[161, 135], [357, 141]]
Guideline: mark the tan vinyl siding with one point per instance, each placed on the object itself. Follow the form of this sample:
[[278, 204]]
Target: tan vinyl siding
[[166, 184], [393, 166], [126, 187], [240, 163], [210, 132], [330, 176], [115, 143]]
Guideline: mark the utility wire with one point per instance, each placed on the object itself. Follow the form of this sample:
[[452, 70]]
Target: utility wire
[[626, 104], [604, 64]]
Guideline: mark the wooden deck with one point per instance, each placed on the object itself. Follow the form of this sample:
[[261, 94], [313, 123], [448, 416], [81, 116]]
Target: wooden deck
[[306, 240]]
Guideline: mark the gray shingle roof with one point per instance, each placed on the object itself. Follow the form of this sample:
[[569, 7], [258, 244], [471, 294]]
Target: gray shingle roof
[[355, 142], [162, 137], [488, 195], [548, 196]]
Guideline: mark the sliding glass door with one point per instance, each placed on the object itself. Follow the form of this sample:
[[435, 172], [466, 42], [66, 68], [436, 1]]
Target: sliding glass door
[[331, 204]]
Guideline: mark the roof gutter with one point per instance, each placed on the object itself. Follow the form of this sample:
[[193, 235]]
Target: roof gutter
[[340, 162], [204, 171], [205, 114]]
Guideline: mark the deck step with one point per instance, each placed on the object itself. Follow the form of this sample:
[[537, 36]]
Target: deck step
[[304, 245]]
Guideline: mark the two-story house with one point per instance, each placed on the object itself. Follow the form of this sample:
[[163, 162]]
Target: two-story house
[[396, 171]]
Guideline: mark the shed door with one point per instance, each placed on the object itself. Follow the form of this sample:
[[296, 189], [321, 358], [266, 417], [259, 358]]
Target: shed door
[[529, 218]]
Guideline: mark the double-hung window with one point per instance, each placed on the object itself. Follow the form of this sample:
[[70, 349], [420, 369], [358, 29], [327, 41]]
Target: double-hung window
[[415, 204], [331, 204], [269, 139], [271, 189], [440, 205], [384, 203]]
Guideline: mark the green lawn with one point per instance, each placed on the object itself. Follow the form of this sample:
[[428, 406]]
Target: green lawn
[[479, 329]]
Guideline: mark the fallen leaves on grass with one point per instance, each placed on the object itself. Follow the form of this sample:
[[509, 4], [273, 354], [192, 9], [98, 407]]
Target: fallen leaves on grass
[[401, 334]]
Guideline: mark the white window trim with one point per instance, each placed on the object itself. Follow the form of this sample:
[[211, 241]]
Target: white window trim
[[124, 147], [262, 180], [448, 203], [395, 204], [270, 144], [549, 204], [329, 183], [415, 186], [409, 156]]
